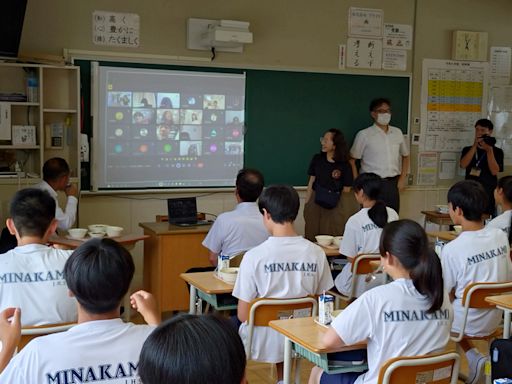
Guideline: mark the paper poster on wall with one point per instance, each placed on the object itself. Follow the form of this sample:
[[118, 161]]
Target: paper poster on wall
[[364, 53], [427, 168], [500, 113], [115, 29], [394, 59], [397, 36], [448, 162], [499, 72], [453, 96], [365, 22]]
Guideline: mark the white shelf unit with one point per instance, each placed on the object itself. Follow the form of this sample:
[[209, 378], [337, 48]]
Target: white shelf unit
[[58, 102]]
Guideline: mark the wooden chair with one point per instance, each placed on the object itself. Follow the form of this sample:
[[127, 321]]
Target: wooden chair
[[361, 265], [29, 333], [262, 311], [474, 297], [444, 367]]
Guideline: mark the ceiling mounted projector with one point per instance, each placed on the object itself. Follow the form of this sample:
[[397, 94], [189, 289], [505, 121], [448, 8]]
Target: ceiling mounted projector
[[223, 35]]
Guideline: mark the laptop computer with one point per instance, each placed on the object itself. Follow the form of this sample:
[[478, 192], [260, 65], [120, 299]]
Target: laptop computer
[[183, 212]]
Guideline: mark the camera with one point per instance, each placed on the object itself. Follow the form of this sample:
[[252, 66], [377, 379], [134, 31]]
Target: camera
[[489, 140]]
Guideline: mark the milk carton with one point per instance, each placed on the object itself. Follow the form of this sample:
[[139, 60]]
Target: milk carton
[[325, 308], [222, 262]]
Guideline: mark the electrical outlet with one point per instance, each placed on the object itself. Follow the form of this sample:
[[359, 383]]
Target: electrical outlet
[[416, 120], [410, 179]]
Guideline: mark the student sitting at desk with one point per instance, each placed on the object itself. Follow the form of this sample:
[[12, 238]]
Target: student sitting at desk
[[410, 316], [285, 266], [239, 230], [31, 273], [363, 230], [463, 264], [101, 347], [503, 197]]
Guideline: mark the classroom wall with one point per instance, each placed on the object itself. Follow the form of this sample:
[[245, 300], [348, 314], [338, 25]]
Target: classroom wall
[[289, 34]]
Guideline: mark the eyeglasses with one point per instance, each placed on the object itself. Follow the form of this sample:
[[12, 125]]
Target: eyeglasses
[[323, 140], [382, 110]]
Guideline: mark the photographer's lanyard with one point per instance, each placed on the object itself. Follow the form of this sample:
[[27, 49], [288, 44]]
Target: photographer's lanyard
[[479, 161]]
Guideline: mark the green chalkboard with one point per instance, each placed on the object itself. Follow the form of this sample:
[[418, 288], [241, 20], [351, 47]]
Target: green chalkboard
[[287, 112]]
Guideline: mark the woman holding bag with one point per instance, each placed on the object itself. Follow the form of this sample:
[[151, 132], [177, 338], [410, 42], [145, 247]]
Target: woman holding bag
[[330, 174]]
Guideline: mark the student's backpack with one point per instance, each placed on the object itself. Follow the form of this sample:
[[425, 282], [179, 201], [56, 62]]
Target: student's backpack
[[501, 359]]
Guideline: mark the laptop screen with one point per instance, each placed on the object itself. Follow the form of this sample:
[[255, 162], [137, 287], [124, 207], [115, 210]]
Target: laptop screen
[[182, 210]]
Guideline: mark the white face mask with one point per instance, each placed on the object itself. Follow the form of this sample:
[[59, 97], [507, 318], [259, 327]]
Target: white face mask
[[383, 118]]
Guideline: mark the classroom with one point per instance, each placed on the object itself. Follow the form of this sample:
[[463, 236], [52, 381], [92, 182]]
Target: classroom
[[295, 36]]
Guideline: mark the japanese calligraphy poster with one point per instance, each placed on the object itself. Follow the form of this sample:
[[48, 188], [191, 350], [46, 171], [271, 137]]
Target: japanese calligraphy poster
[[115, 29], [397, 36], [364, 53], [453, 95], [365, 22]]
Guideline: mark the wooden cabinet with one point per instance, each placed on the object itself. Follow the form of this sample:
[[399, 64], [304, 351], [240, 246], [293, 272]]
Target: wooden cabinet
[[52, 107], [169, 251]]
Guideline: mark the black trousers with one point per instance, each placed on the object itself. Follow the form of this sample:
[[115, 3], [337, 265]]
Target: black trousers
[[390, 194]]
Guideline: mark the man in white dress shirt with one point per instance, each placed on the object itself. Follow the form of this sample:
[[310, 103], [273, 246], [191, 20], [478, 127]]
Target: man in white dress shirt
[[383, 150], [241, 229], [56, 174]]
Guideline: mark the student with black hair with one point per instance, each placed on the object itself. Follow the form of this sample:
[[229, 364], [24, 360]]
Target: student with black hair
[[239, 230], [503, 197], [32, 272], [56, 178], [101, 347], [330, 174], [363, 230], [285, 266], [408, 317], [194, 350], [478, 254], [483, 160]]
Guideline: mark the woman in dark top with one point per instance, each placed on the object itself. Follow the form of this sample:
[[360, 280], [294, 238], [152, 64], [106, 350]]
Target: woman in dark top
[[329, 175]]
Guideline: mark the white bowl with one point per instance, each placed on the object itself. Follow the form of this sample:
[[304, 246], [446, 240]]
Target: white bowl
[[113, 231], [337, 240], [457, 229], [324, 240], [77, 233], [96, 234], [442, 208], [98, 228], [228, 274]]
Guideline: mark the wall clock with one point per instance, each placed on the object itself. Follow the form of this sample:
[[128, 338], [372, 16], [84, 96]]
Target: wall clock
[[469, 45]]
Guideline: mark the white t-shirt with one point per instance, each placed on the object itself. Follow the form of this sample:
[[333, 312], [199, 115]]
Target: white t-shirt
[[67, 217], [380, 152], [476, 256], [393, 320], [502, 221], [283, 268], [101, 351], [361, 235], [31, 277], [236, 231]]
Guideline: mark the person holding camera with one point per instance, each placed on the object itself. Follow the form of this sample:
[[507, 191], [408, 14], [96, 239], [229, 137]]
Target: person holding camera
[[483, 160]]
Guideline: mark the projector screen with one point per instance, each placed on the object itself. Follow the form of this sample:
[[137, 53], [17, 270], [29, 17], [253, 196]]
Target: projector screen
[[165, 129]]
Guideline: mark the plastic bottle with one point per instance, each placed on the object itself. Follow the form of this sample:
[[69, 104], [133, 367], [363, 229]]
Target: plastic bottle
[[32, 87]]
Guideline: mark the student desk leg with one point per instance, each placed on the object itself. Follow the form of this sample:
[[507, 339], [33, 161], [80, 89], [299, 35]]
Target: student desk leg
[[287, 366], [506, 322], [192, 300]]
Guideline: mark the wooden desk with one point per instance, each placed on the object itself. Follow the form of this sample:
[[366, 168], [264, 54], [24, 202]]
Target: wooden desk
[[443, 235], [128, 241], [206, 286], [436, 218], [305, 337], [330, 251], [169, 251], [503, 302]]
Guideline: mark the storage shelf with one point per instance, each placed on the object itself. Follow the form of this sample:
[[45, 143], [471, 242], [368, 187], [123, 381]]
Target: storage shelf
[[19, 146], [22, 104], [59, 110]]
